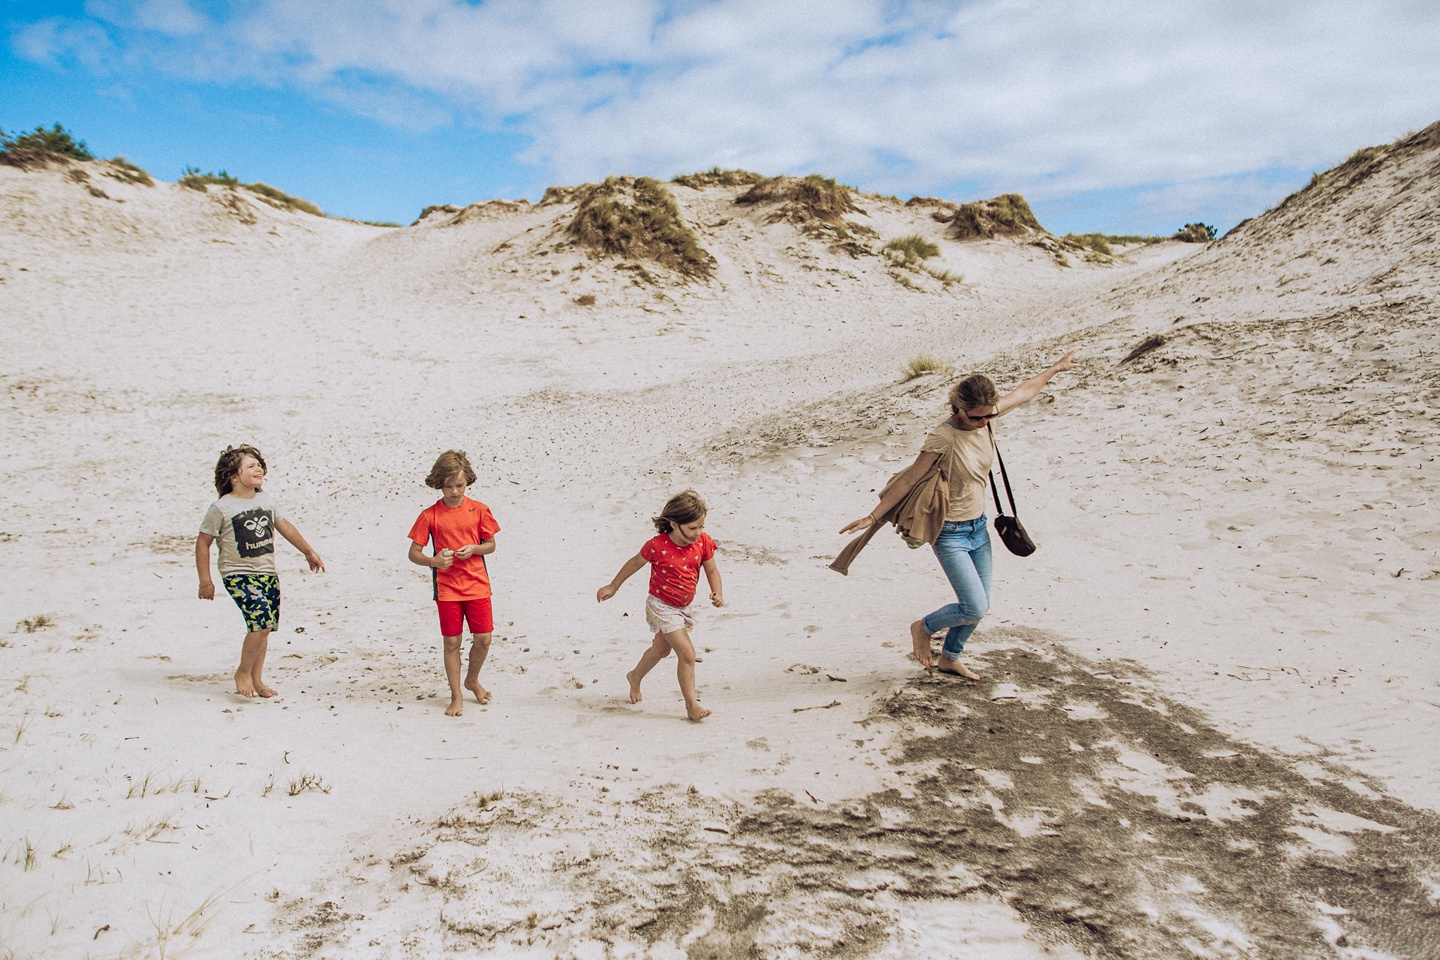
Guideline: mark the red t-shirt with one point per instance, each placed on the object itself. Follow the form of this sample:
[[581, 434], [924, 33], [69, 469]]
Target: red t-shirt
[[674, 570], [450, 528]]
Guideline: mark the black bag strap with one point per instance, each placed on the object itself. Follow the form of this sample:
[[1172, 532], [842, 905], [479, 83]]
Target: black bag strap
[[1003, 476]]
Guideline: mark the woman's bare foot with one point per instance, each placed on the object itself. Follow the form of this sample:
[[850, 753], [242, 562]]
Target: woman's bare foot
[[264, 691], [920, 640], [956, 668], [634, 686], [482, 696], [696, 712], [456, 708], [244, 685]]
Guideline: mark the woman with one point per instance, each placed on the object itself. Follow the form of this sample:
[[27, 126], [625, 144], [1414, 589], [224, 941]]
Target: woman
[[964, 451]]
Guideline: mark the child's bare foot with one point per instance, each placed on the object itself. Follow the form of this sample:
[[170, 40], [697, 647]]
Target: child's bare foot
[[920, 640], [482, 696], [634, 686], [955, 667], [456, 708], [264, 691], [244, 685], [696, 712]]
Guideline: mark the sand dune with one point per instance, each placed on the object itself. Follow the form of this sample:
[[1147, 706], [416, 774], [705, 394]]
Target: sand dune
[[1212, 704]]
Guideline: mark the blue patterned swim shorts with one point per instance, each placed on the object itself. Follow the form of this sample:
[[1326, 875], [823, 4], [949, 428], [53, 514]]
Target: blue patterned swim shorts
[[258, 597]]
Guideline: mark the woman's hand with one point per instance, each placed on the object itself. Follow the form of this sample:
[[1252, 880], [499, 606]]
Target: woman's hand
[[864, 523], [1065, 362]]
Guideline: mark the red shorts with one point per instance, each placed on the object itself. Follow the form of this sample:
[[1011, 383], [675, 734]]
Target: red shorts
[[454, 613]]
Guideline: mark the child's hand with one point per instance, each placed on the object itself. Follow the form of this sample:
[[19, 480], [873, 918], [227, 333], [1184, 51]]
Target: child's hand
[[444, 559], [207, 591], [716, 599], [466, 551], [316, 564], [605, 592]]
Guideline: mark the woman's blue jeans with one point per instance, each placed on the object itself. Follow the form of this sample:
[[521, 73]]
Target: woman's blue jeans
[[964, 553]]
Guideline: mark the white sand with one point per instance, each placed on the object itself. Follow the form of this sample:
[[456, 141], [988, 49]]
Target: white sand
[[1226, 633]]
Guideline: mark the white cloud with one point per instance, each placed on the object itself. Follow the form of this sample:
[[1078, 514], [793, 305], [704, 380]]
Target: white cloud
[[1048, 99]]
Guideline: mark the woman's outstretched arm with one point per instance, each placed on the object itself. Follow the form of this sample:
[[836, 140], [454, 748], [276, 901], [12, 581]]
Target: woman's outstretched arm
[[1028, 390]]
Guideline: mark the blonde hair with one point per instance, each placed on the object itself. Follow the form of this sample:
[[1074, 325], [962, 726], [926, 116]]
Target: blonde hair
[[685, 507], [447, 465], [976, 390], [227, 468]]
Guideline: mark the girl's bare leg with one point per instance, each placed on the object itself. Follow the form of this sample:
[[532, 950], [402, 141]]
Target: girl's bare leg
[[679, 641], [252, 660], [452, 674], [657, 651], [479, 650]]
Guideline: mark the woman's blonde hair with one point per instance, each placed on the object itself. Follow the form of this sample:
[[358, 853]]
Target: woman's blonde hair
[[227, 468], [685, 507], [976, 390], [447, 465]]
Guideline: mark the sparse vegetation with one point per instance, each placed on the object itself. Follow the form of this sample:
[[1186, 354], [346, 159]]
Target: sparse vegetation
[[1365, 154], [803, 199], [923, 365], [42, 147], [1008, 215], [1195, 233], [151, 830], [192, 177], [33, 624], [1094, 242], [911, 249], [637, 219], [309, 781], [126, 172], [716, 177], [283, 200], [195, 180], [151, 785], [168, 932], [911, 252]]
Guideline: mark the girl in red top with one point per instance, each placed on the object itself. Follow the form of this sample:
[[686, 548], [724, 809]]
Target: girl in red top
[[463, 532], [676, 556]]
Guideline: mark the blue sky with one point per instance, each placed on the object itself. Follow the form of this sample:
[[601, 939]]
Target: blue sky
[[1126, 116]]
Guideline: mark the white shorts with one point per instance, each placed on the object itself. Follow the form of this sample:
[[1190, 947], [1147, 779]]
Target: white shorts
[[663, 618]]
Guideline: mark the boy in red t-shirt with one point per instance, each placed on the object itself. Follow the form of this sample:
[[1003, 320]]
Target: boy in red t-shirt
[[676, 558], [463, 532]]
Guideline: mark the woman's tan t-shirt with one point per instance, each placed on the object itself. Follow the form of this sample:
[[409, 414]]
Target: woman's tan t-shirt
[[965, 457]]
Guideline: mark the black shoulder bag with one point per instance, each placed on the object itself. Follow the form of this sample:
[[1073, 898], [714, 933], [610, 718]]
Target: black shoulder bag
[[1012, 534]]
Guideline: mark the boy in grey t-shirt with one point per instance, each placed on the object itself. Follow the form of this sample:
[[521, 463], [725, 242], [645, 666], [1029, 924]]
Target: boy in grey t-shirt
[[244, 521]]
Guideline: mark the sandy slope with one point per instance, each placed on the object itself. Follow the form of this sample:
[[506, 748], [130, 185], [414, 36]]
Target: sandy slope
[[1216, 677]]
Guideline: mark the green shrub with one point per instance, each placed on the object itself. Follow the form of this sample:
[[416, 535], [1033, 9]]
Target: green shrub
[[638, 220], [1195, 233], [41, 147], [911, 248]]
